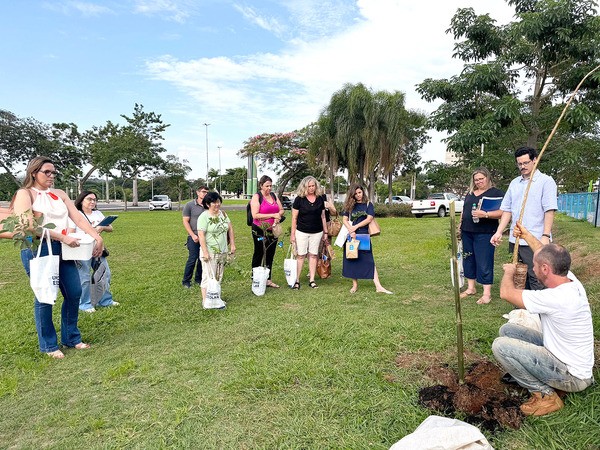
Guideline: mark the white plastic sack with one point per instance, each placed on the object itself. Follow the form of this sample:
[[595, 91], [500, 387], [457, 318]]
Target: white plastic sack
[[459, 263], [524, 318], [213, 295], [43, 273], [442, 433], [341, 237], [290, 269], [260, 275]]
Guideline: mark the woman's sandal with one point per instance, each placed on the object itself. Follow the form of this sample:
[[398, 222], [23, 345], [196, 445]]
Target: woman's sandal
[[56, 354], [484, 300], [296, 286], [272, 285], [466, 294], [313, 285]]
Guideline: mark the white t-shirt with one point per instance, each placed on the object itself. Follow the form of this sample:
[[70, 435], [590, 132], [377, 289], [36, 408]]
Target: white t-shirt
[[95, 218], [566, 324]]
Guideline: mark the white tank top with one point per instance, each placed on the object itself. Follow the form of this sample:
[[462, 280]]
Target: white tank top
[[52, 207]]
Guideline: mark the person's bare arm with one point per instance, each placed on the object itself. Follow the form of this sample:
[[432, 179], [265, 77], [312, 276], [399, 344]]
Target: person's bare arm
[[521, 232], [548, 222], [508, 291], [504, 220]]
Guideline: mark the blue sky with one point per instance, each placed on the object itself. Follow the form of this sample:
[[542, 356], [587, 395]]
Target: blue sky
[[244, 67]]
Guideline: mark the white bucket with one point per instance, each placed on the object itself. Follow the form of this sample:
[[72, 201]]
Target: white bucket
[[83, 252]]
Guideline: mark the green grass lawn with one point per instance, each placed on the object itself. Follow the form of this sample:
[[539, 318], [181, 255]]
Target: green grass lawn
[[292, 369]]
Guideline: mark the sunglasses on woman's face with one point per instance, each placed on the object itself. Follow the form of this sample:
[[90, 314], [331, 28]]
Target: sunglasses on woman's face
[[54, 173]]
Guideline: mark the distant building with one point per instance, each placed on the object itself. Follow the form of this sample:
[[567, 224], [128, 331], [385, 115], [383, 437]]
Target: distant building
[[451, 157]]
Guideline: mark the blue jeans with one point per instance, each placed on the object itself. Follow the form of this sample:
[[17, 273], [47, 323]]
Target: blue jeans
[[85, 276], [478, 259], [192, 261], [521, 352], [71, 290]]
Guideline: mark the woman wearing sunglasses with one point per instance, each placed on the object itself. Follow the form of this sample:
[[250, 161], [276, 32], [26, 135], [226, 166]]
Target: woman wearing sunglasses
[[37, 195]]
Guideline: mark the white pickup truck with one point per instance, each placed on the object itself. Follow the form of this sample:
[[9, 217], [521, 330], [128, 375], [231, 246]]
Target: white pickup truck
[[437, 204]]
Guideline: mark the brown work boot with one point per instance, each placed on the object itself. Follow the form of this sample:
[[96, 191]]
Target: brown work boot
[[539, 405]]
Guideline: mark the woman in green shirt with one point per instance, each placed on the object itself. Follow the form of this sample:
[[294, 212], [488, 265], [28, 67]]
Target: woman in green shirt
[[214, 227]]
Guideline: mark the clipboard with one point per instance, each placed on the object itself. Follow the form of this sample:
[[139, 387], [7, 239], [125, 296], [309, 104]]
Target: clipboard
[[107, 221], [490, 203]]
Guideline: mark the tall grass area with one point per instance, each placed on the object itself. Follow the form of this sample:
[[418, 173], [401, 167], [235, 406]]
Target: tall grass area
[[313, 368]]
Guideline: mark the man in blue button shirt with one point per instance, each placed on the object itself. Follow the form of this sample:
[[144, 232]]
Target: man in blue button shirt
[[538, 216]]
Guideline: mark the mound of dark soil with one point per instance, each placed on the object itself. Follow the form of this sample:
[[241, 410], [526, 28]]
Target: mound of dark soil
[[483, 398]]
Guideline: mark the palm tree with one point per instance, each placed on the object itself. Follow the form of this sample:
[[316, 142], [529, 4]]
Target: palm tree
[[367, 133]]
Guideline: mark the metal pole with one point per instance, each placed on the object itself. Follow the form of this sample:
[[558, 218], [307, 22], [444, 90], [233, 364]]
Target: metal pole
[[220, 188], [206, 125]]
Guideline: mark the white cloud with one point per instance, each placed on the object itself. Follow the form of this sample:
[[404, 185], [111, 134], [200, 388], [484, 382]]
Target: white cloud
[[390, 45], [87, 9], [176, 10], [270, 24]]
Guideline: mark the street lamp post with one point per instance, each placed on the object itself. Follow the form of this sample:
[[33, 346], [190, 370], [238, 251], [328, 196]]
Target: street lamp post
[[220, 188], [206, 125]]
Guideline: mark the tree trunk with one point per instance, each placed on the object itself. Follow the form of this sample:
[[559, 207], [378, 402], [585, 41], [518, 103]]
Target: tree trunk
[[134, 190], [331, 182], [86, 177], [390, 177], [124, 195], [107, 190]]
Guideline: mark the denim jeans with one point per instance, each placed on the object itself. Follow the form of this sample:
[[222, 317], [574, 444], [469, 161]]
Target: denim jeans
[[192, 261], [85, 276], [70, 287], [521, 352], [478, 260]]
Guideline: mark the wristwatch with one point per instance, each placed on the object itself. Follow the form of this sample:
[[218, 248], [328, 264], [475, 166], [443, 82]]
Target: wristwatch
[[546, 235], [486, 215]]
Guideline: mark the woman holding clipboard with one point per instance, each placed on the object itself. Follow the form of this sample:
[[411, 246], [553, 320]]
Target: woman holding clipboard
[[478, 223], [86, 204]]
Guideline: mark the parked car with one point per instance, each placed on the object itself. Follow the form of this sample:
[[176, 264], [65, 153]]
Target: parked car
[[286, 202], [438, 203], [399, 199], [160, 202]]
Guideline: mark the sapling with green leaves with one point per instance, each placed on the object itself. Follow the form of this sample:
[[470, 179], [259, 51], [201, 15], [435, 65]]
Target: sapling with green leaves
[[24, 228]]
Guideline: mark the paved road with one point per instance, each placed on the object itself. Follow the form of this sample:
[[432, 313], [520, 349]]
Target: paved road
[[142, 206]]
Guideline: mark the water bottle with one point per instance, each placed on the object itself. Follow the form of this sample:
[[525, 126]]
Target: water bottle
[[473, 209]]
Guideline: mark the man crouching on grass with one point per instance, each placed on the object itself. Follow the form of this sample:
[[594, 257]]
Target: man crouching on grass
[[562, 355]]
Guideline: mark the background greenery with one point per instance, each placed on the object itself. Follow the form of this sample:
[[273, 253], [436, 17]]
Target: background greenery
[[306, 369]]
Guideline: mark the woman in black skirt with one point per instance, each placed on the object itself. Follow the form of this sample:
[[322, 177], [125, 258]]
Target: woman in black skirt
[[358, 213]]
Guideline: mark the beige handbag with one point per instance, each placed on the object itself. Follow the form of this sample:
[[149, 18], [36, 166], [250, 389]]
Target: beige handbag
[[374, 229], [277, 230]]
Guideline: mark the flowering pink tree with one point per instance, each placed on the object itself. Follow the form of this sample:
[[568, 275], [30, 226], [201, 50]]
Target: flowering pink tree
[[284, 153]]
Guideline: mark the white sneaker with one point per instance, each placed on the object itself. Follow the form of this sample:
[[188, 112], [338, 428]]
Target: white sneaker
[[114, 303], [89, 310]]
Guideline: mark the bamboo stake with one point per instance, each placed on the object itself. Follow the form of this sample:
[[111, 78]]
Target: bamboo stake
[[537, 161], [459, 333]]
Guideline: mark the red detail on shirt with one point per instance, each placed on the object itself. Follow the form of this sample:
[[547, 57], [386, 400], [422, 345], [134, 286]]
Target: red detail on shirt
[[53, 196], [64, 232]]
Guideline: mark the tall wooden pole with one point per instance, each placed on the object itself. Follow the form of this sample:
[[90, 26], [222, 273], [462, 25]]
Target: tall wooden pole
[[455, 282]]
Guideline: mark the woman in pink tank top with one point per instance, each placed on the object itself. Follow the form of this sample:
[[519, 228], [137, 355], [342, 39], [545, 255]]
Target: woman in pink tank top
[[266, 211]]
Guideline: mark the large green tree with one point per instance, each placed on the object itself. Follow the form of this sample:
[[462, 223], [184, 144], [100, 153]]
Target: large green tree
[[515, 80], [233, 180], [130, 149], [23, 138]]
